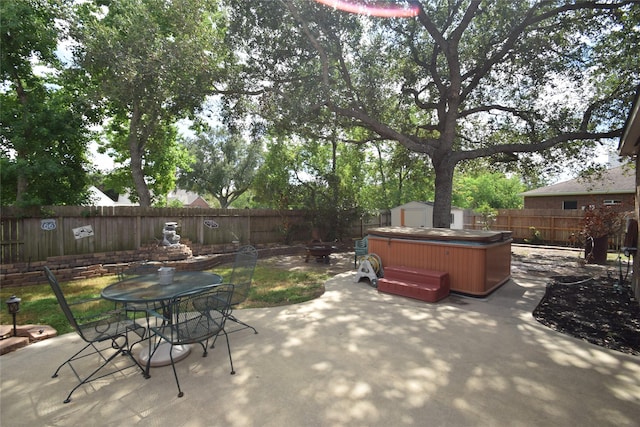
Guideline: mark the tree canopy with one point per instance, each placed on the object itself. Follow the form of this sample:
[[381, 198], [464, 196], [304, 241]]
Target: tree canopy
[[323, 177], [462, 80], [222, 164], [44, 122], [152, 62]]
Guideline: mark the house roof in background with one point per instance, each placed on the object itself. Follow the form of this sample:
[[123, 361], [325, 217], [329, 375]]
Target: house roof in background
[[620, 180], [98, 198], [423, 204], [187, 198]]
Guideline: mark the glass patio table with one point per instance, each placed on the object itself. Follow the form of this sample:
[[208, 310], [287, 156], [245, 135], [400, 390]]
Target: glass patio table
[[147, 289]]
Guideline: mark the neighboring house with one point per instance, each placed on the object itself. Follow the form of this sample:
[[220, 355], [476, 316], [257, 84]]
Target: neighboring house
[[615, 187], [630, 146], [420, 214], [123, 200], [188, 199], [98, 198]]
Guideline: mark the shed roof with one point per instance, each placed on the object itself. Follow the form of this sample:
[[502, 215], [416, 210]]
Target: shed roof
[[620, 180], [423, 204]]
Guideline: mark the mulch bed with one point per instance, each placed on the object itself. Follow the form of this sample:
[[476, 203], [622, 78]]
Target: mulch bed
[[597, 310]]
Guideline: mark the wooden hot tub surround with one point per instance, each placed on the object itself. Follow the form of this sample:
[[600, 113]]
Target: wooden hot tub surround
[[478, 262]]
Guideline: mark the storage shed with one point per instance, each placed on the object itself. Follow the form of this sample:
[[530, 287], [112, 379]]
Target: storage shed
[[420, 214]]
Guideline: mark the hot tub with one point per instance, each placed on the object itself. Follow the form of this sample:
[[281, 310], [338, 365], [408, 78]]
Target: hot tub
[[478, 262]]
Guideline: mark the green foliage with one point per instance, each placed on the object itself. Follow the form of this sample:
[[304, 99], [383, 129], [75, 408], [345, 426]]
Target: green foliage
[[222, 164], [28, 33], [493, 190], [488, 216], [275, 183], [536, 237], [162, 153], [395, 176], [151, 63], [44, 119], [323, 178]]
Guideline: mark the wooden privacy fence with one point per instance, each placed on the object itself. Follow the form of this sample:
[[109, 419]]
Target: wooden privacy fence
[[71, 230], [555, 226]]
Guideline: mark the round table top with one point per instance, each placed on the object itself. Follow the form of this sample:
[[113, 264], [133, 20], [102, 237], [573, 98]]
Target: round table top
[[147, 288]]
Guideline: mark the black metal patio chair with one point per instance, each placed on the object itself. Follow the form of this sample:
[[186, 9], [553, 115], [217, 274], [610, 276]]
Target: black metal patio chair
[[112, 327], [241, 276], [193, 317], [137, 269]]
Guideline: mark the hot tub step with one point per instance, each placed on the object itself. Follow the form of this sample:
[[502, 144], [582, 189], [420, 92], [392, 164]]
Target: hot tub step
[[420, 275], [424, 285]]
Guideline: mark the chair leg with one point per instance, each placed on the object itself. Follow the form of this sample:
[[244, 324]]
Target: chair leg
[[175, 373], [120, 349], [158, 341], [233, 372], [240, 322], [69, 360]]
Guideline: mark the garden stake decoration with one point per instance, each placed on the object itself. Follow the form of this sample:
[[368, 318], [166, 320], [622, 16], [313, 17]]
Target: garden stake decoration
[[13, 304]]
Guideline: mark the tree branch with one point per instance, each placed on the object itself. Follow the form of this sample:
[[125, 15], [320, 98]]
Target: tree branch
[[534, 146], [420, 145]]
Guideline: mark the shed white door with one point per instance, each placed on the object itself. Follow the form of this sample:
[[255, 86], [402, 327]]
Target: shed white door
[[414, 217]]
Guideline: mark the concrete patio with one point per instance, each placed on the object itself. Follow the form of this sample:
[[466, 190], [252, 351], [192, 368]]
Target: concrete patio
[[352, 357]]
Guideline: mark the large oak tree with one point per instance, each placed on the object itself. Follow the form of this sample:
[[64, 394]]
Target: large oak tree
[[464, 79]]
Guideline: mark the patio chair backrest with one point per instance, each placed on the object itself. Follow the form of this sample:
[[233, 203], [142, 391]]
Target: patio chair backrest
[[198, 315], [242, 274], [362, 246], [62, 301]]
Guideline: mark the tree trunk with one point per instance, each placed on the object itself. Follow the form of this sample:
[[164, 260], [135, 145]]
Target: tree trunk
[[144, 196], [22, 182], [444, 189], [136, 149], [22, 187]]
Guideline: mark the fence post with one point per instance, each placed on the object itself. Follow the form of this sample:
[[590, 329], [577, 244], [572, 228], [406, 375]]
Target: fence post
[[136, 232], [62, 235]]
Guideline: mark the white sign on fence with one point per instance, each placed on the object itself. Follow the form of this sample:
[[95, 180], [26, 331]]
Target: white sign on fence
[[82, 232], [211, 223], [48, 224]]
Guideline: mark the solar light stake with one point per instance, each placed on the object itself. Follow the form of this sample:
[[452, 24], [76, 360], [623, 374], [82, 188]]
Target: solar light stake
[[13, 304]]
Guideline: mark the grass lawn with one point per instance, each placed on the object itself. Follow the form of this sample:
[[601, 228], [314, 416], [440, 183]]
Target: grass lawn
[[271, 287]]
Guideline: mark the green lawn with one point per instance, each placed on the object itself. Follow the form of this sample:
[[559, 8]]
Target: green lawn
[[270, 287]]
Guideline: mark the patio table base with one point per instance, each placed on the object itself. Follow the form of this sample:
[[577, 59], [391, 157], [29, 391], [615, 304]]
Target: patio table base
[[161, 357]]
